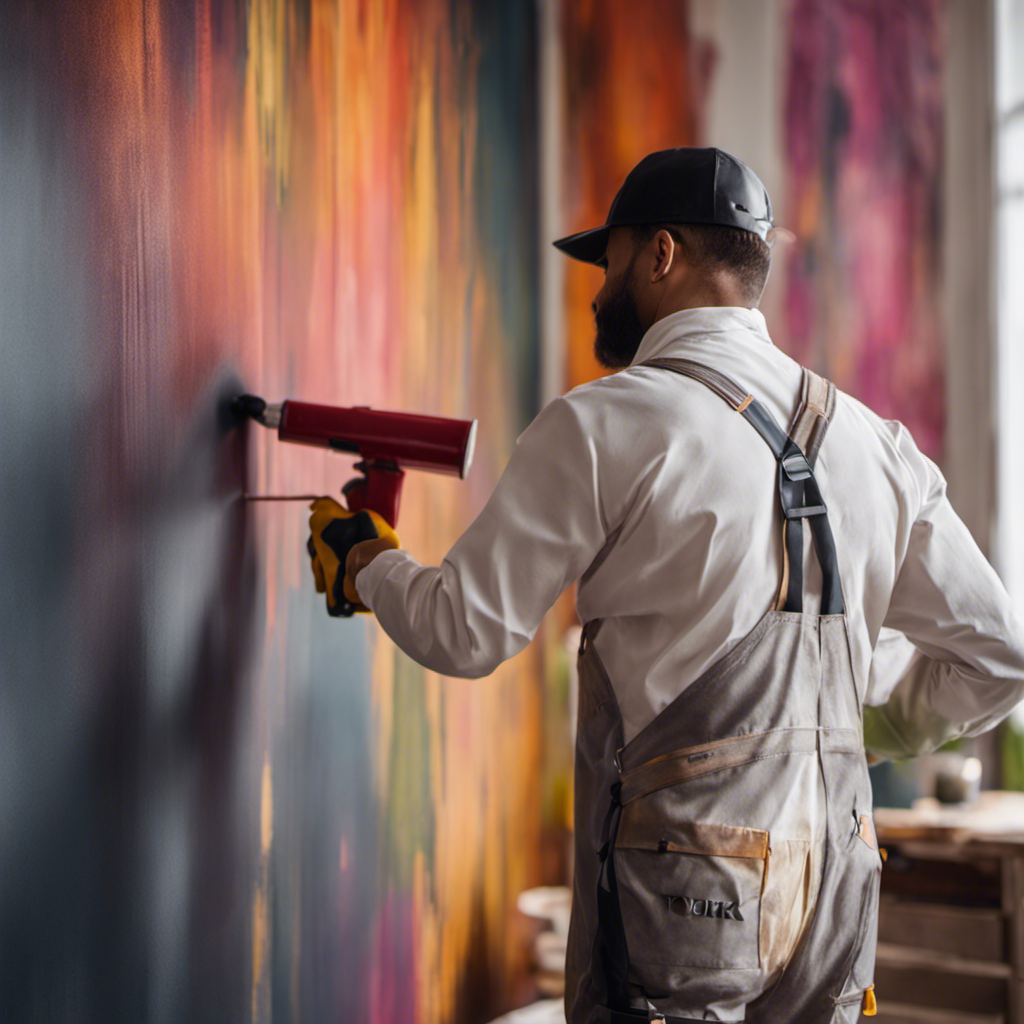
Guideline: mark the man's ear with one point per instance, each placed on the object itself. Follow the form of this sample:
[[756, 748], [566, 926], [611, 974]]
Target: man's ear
[[666, 255]]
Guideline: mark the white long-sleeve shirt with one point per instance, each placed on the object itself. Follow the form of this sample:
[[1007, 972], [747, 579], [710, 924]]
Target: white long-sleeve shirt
[[647, 488]]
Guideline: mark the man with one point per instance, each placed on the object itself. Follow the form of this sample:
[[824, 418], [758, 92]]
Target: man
[[726, 867]]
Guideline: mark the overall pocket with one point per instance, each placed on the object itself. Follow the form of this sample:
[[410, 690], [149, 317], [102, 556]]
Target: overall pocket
[[689, 895], [864, 870]]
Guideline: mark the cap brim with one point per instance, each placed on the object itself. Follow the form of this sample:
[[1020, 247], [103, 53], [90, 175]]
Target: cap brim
[[588, 246]]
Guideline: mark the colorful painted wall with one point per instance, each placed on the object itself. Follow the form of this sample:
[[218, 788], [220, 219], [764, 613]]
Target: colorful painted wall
[[217, 804]]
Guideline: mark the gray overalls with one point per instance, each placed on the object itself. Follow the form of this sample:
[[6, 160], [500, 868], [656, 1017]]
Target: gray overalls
[[726, 866]]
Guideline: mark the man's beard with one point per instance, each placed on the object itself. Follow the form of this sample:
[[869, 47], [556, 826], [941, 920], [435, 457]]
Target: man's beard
[[619, 329]]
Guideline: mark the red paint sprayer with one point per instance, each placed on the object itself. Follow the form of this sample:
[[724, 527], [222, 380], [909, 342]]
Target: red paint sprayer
[[387, 443]]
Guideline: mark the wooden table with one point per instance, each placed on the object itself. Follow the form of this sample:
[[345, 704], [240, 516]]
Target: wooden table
[[951, 915]]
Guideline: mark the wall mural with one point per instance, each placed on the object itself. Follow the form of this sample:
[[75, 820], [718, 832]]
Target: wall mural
[[218, 804], [863, 150]]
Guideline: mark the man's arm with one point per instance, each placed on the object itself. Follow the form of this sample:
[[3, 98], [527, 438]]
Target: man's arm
[[951, 656], [538, 532]]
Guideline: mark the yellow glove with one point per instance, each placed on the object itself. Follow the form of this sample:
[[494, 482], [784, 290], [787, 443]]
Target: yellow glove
[[334, 531]]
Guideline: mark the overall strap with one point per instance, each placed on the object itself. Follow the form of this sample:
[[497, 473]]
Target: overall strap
[[798, 490], [813, 414], [807, 431]]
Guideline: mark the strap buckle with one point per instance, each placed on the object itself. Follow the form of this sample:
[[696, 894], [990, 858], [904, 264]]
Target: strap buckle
[[796, 466]]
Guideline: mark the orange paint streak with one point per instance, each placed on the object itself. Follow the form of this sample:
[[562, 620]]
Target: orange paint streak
[[260, 992], [632, 87]]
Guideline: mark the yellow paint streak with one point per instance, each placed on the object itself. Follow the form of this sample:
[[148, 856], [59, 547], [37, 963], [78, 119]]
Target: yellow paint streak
[[259, 946], [260, 996], [268, 63]]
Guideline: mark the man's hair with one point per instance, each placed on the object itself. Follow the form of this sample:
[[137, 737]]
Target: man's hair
[[715, 247]]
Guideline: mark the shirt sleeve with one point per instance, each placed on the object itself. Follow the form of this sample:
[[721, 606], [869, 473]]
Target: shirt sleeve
[[950, 657], [539, 531]]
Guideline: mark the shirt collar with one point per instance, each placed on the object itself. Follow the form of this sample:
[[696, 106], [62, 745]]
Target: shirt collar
[[671, 332]]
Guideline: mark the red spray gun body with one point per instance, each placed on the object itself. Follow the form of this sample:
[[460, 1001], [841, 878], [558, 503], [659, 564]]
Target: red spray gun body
[[387, 442]]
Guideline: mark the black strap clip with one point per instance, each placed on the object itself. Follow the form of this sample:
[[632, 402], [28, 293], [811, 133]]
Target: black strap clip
[[796, 466], [805, 511]]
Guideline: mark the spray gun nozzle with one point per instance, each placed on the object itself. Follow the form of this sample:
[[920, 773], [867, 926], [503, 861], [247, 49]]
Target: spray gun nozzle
[[254, 407], [248, 406]]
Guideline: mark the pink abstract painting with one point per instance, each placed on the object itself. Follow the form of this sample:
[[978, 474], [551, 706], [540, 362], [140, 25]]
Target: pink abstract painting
[[863, 148]]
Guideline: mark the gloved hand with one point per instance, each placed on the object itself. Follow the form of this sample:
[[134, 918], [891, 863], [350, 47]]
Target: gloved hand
[[334, 531]]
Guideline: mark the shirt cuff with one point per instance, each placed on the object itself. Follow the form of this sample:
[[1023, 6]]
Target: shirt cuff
[[368, 580]]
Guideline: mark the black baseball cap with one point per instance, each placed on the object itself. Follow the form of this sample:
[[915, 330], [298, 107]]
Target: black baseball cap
[[685, 185]]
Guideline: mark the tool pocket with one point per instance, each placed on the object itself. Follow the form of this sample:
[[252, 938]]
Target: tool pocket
[[689, 895], [863, 878]]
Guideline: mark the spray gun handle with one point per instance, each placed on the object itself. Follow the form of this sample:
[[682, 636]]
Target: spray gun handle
[[378, 489]]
